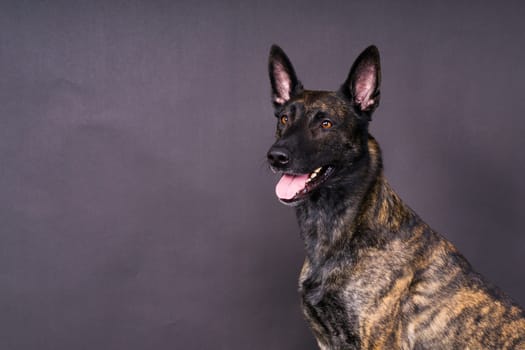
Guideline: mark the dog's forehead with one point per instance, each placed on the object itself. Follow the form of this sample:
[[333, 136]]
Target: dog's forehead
[[324, 101]]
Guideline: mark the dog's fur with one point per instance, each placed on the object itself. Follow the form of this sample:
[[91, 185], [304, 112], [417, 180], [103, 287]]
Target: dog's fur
[[375, 275]]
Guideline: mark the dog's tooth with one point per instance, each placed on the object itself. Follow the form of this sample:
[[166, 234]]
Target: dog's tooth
[[318, 170], [312, 175]]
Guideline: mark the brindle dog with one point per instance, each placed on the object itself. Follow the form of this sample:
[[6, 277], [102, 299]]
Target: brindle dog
[[375, 276]]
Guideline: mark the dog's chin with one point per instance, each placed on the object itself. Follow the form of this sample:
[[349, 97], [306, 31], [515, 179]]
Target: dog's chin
[[292, 202], [294, 188]]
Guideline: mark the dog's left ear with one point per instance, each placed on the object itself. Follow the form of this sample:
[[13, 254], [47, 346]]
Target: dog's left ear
[[284, 81], [362, 84]]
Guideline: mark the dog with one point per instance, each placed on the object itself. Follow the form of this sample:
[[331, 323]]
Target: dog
[[375, 275]]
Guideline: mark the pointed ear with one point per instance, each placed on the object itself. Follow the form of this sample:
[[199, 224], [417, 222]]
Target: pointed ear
[[362, 84], [282, 76]]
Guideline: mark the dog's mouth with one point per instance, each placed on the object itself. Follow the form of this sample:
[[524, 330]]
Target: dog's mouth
[[292, 188]]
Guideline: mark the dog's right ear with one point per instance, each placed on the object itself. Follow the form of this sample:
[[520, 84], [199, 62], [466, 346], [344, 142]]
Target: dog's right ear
[[362, 84], [285, 84]]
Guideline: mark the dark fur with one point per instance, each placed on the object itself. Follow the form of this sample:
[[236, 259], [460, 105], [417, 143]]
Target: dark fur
[[375, 275]]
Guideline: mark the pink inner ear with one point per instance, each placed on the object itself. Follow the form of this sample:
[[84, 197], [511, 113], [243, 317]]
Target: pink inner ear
[[364, 87], [282, 83]]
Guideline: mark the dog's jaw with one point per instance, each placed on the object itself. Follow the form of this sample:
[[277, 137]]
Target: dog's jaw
[[294, 188]]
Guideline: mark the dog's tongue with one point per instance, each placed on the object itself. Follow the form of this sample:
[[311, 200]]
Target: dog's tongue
[[289, 185]]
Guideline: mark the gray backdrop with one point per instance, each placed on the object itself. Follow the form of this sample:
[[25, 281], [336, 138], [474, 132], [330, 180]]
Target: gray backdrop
[[136, 208]]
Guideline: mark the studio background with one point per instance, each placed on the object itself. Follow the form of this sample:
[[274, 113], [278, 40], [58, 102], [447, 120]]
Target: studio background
[[136, 208]]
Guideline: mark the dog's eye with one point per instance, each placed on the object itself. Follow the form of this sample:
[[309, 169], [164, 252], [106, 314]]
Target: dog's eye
[[284, 119], [326, 124]]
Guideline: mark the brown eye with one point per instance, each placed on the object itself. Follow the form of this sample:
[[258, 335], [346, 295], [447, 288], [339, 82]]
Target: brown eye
[[326, 124], [284, 119]]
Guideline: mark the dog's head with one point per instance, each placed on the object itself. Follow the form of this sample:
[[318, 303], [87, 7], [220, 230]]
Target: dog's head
[[321, 135]]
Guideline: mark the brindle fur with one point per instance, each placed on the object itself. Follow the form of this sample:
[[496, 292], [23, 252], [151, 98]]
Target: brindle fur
[[375, 275]]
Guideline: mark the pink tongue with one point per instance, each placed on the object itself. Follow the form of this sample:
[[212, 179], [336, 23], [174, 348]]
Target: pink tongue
[[289, 185]]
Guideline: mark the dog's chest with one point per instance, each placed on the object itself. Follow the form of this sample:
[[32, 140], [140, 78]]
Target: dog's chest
[[344, 302], [329, 311]]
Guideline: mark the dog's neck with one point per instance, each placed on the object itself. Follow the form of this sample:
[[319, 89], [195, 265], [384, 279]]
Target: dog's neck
[[340, 217]]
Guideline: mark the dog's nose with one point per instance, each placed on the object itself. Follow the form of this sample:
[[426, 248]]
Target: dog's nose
[[278, 157]]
